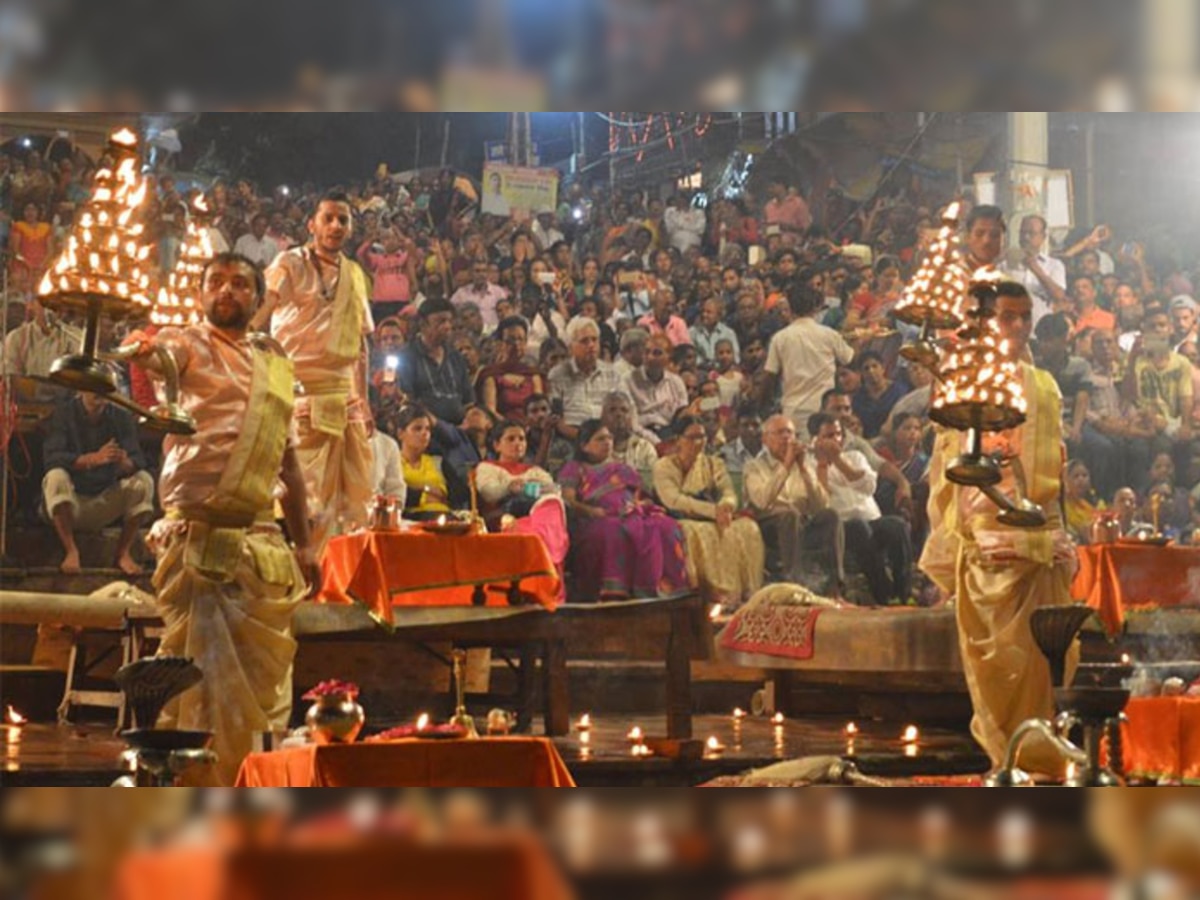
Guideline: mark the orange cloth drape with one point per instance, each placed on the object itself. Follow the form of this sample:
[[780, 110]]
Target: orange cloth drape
[[487, 762], [1113, 578], [1162, 738], [501, 865], [380, 569]]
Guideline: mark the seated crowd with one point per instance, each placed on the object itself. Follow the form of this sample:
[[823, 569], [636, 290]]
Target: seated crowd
[[660, 410]]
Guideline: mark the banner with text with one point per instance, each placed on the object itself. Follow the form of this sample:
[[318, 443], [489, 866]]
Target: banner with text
[[517, 191]]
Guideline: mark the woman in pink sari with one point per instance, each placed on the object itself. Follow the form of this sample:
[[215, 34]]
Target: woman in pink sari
[[525, 495], [625, 546]]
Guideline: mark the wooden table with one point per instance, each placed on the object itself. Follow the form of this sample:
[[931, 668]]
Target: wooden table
[[572, 631], [490, 762], [383, 569], [1113, 578]]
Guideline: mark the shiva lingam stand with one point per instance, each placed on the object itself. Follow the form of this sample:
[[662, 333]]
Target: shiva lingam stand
[[1093, 704], [162, 756]]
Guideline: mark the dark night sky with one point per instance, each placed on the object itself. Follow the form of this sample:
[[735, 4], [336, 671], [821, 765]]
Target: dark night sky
[[331, 148]]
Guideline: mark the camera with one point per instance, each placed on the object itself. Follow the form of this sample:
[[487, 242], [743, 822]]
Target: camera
[[546, 278]]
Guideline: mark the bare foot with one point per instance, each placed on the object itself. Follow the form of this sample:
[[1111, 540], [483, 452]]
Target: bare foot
[[70, 563], [126, 564]]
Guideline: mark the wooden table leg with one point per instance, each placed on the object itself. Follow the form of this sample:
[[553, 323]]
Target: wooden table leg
[[679, 677], [556, 689], [526, 684]]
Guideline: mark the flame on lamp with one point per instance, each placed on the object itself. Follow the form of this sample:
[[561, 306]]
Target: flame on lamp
[[12, 717], [635, 735], [910, 735], [851, 730], [777, 719], [125, 137], [585, 722], [422, 721]]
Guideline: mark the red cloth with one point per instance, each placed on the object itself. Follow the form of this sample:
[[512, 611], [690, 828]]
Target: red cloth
[[413, 568], [486, 762], [774, 629], [1162, 738], [1115, 577], [502, 865]]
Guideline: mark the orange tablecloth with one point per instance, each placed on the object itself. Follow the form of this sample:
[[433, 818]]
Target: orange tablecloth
[[487, 762], [1115, 577], [1162, 738], [500, 865], [380, 569]]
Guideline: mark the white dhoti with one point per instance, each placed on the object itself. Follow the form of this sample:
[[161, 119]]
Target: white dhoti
[[238, 632]]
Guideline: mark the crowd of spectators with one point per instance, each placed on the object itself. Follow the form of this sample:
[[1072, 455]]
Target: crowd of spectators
[[687, 375]]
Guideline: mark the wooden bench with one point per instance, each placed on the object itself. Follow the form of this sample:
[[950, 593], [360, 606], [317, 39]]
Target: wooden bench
[[541, 639]]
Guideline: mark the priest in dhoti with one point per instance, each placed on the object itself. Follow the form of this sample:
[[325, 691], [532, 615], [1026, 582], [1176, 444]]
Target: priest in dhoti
[[1000, 574], [318, 306], [227, 581]]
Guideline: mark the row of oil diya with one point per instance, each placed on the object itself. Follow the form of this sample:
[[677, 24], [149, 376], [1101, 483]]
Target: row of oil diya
[[336, 717]]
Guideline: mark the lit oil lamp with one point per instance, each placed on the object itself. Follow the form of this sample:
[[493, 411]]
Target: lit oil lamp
[[585, 723], [636, 736], [851, 731], [422, 721], [713, 747], [13, 722], [910, 735], [777, 719]]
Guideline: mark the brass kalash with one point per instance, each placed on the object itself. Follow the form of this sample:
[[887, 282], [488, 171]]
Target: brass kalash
[[108, 269]]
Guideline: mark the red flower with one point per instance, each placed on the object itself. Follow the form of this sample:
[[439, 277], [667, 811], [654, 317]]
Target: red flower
[[331, 688]]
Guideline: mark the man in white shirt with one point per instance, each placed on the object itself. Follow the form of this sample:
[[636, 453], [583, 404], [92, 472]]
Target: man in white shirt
[[657, 393], [792, 508], [684, 224], [387, 474], [871, 538], [1043, 276], [256, 245], [482, 293], [803, 358], [582, 382], [545, 232]]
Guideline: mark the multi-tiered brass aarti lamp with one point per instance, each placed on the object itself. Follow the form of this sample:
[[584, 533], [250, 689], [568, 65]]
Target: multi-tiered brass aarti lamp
[[977, 386], [108, 269]]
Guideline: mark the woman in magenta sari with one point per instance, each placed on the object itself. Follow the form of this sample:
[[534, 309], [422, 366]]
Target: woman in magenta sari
[[625, 546]]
